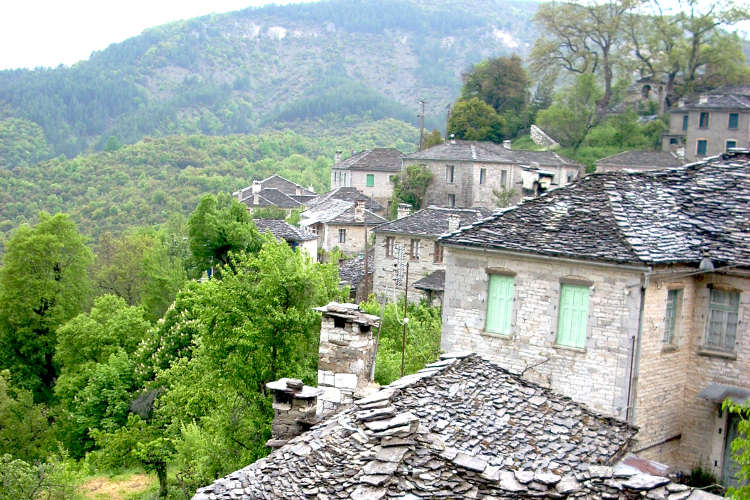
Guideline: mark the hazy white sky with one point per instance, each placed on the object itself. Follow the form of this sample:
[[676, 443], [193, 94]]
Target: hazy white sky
[[52, 32]]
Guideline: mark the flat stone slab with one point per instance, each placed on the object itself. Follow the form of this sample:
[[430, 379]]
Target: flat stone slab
[[398, 421], [469, 462], [645, 482]]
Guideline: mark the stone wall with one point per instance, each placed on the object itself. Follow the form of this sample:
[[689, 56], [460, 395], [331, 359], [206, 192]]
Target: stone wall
[[328, 238], [418, 269], [716, 134], [294, 409], [381, 192], [598, 375]]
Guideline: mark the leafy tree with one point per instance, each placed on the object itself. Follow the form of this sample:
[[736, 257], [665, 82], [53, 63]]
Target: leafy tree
[[573, 113], [56, 478], [220, 225], [503, 196], [432, 139], [24, 429], [410, 187], [154, 455], [740, 448], [269, 213], [112, 144], [501, 82], [43, 283], [475, 120], [119, 262]]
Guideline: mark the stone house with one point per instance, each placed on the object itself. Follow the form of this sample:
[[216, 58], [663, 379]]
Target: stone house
[[294, 236], [340, 224], [416, 236], [275, 191], [350, 194], [638, 161], [629, 292], [465, 173], [710, 123], [369, 171]]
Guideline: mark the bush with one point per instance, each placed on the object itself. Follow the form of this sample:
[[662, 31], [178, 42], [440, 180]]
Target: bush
[[57, 478]]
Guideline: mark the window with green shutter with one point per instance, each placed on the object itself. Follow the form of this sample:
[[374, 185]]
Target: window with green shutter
[[674, 299], [574, 311], [370, 180], [500, 304]]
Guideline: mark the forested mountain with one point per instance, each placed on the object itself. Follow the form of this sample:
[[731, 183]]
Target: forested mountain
[[260, 68]]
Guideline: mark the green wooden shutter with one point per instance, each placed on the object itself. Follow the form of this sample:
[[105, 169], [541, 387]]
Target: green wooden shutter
[[574, 311], [500, 304], [370, 180]]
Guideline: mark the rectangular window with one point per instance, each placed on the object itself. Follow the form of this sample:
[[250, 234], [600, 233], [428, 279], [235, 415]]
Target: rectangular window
[[703, 120], [370, 180], [500, 304], [449, 171], [684, 122], [721, 328], [342, 235], [673, 140], [701, 147], [671, 317], [451, 200], [389, 244], [503, 178], [731, 144], [734, 120], [437, 254], [414, 250], [482, 175], [573, 315]]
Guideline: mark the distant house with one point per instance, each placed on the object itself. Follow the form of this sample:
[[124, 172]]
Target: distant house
[[350, 194], [415, 236], [275, 191], [629, 292], [710, 123], [369, 171], [294, 236], [634, 161], [340, 224], [466, 173]]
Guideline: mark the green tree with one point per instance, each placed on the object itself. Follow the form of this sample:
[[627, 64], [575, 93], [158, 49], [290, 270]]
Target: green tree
[[410, 187], [432, 139], [44, 282], [740, 448], [573, 113], [24, 428], [474, 120]]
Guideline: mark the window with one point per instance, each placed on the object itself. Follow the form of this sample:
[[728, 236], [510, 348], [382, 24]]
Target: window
[[684, 122], [703, 120], [573, 315], [674, 303], [414, 250], [449, 171], [482, 175], [389, 244], [499, 304], [437, 254], [734, 120], [342, 235], [673, 140], [721, 328], [701, 147], [370, 180], [731, 144], [451, 200], [503, 178]]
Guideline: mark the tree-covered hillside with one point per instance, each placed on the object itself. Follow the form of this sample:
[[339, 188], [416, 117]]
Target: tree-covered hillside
[[141, 184], [263, 67]]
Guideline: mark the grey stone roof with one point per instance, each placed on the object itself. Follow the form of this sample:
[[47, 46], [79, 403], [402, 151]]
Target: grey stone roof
[[272, 197], [284, 185], [488, 152], [660, 216], [732, 97], [339, 212], [639, 159], [377, 159], [432, 221], [435, 281], [347, 194], [283, 230], [461, 428], [278, 184], [352, 271]]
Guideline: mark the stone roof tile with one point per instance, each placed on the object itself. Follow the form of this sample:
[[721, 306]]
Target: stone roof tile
[[283, 230], [483, 151], [376, 159], [639, 159], [432, 221]]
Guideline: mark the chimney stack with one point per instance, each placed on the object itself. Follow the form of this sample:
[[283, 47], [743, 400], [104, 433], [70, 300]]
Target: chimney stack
[[337, 157], [346, 355], [257, 186], [506, 144], [359, 211], [256, 199], [294, 409], [403, 210], [453, 222]]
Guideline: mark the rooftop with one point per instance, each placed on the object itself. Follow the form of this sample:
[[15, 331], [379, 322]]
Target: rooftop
[[352, 271], [283, 230], [461, 428], [482, 151], [376, 159], [434, 282], [432, 221], [351, 194], [735, 97], [339, 212], [653, 217], [640, 159]]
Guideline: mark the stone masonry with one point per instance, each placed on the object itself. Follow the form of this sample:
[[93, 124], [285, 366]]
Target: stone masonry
[[294, 409], [346, 355]]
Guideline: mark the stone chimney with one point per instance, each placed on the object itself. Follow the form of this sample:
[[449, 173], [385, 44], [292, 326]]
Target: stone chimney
[[346, 355], [403, 210], [359, 211], [311, 188], [453, 222], [703, 99], [257, 186], [337, 157], [453, 138], [294, 409], [506, 144]]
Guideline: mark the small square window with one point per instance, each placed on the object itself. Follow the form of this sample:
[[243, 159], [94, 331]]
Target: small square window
[[482, 175], [734, 120], [673, 140], [672, 315], [731, 144], [701, 147], [703, 120], [449, 171], [342, 235], [370, 180], [684, 122]]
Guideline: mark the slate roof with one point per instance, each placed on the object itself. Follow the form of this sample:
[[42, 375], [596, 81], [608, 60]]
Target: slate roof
[[347, 194], [337, 212], [376, 159], [653, 217], [284, 185], [734, 97], [639, 159], [461, 428], [434, 282], [352, 271], [272, 198], [488, 152], [432, 221], [283, 230]]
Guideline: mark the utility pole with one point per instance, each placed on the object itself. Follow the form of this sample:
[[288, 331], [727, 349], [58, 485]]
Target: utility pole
[[405, 320], [421, 123], [447, 119]]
